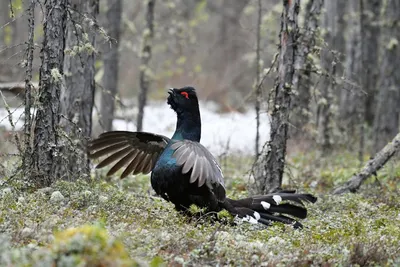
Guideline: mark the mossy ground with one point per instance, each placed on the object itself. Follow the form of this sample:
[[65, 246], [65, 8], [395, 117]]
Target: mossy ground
[[120, 223]]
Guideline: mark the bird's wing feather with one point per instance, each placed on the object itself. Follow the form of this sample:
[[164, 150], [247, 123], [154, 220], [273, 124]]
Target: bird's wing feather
[[205, 169], [138, 151]]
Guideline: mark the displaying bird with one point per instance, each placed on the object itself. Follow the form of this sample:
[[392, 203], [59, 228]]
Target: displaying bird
[[184, 172]]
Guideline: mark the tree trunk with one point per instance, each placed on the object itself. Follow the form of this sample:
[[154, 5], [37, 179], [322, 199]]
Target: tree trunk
[[304, 65], [370, 31], [26, 159], [111, 63], [329, 61], [257, 84], [229, 40], [386, 123], [5, 37], [145, 71], [46, 150], [335, 19], [78, 93], [268, 170], [371, 167], [338, 32], [352, 96], [4, 17]]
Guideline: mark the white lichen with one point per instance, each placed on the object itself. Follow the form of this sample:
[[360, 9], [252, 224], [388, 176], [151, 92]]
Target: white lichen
[[56, 75], [56, 197]]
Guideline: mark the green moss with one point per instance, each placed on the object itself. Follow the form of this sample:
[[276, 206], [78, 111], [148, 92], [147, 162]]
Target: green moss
[[89, 245]]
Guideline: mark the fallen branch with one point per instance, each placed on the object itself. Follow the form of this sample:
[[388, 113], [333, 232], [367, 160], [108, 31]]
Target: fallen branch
[[372, 166], [16, 88]]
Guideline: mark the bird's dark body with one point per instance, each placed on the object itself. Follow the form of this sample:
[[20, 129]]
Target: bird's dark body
[[184, 172], [167, 178], [169, 182]]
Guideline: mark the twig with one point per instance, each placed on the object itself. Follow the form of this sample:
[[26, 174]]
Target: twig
[[12, 10]]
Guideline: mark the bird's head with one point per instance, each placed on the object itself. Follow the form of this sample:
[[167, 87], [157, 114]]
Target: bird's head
[[183, 100]]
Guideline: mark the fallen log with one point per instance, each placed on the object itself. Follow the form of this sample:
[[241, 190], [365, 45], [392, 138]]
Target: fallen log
[[372, 166], [16, 88]]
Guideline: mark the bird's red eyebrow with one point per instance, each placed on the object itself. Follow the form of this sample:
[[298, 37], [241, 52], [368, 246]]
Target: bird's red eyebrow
[[185, 94]]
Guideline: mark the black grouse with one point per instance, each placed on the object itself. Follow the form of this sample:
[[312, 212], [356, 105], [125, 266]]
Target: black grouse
[[184, 172]]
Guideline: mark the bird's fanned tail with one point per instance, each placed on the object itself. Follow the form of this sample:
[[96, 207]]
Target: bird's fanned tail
[[272, 207]]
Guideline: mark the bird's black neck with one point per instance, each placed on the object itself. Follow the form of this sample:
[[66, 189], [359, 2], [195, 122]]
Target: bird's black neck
[[188, 126]]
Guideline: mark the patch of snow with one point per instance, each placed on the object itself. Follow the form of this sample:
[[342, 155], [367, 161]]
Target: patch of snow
[[16, 115], [232, 132]]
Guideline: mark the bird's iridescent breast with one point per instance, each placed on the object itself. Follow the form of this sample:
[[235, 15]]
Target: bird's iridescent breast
[[165, 160], [166, 175]]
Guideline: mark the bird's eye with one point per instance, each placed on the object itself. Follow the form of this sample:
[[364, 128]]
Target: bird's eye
[[185, 94]]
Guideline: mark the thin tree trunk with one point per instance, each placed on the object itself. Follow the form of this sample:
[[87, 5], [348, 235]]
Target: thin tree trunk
[[352, 95], [26, 160], [324, 125], [257, 84], [145, 66], [386, 123], [304, 65], [371, 167], [5, 41], [111, 63], [370, 31], [230, 12], [227, 52], [268, 170], [78, 93], [363, 98], [4, 17], [17, 28], [339, 30], [329, 61], [369, 49], [336, 19], [46, 150]]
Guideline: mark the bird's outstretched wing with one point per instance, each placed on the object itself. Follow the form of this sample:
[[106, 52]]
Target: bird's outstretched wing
[[205, 169], [138, 151]]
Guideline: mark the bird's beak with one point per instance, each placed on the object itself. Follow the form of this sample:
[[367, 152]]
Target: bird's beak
[[171, 91]]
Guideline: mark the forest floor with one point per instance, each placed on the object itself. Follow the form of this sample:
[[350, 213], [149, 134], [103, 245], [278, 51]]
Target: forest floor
[[121, 223]]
